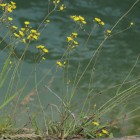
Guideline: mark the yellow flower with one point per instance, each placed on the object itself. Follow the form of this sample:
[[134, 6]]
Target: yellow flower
[[10, 6], [9, 9], [45, 50], [10, 19], [62, 7], [38, 34], [3, 4], [73, 47], [108, 31], [100, 134], [76, 19], [47, 21], [33, 31], [21, 33], [95, 123], [16, 35], [81, 18], [24, 40], [104, 131], [43, 58], [59, 64], [40, 47], [13, 3], [84, 22], [56, 1], [10, 62], [14, 27], [13, 7], [75, 42], [74, 34], [102, 23], [26, 22], [34, 34], [35, 37], [69, 38], [30, 37], [22, 29], [97, 19]]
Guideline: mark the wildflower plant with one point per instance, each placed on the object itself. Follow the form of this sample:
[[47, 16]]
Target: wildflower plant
[[71, 39], [69, 123], [78, 19]]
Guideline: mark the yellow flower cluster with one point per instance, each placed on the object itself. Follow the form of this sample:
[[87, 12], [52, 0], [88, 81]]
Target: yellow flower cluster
[[61, 64], [99, 21], [79, 19], [71, 40], [33, 35], [8, 6], [102, 132], [26, 34], [42, 48]]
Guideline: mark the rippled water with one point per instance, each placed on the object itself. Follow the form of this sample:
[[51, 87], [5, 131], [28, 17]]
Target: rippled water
[[116, 59]]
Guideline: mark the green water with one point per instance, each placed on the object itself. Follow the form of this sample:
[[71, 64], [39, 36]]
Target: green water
[[115, 61]]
